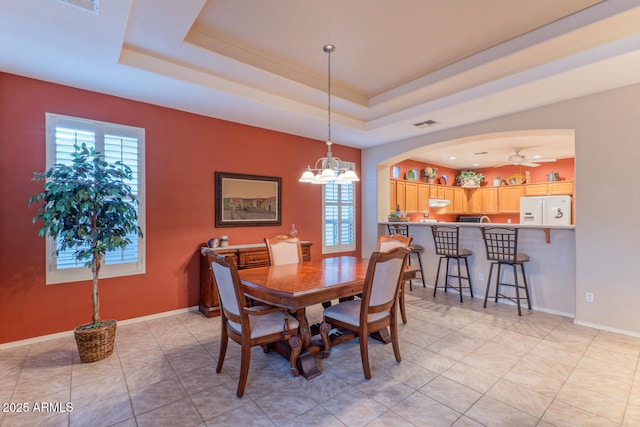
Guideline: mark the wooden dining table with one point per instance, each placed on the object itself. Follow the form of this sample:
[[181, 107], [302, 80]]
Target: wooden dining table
[[298, 286]]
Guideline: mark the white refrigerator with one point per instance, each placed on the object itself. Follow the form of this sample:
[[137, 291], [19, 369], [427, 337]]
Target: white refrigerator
[[545, 210]]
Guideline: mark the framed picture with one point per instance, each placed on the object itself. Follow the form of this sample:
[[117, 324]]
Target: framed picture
[[248, 200]]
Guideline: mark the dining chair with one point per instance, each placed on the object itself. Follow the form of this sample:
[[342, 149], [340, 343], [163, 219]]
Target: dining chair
[[283, 250], [249, 326], [417, 250], [385, 244], [377, 308]]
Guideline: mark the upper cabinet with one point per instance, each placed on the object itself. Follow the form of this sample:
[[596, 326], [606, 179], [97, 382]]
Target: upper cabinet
[[474, 200], [489, 200], [560, 188], [457, 198], [410, 197], [549, 188], [413, 197], [397, 193], [509, 198], [423, 198]]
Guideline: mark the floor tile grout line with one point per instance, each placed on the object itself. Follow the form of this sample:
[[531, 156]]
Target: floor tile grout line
[[202, 418], [496, 315]]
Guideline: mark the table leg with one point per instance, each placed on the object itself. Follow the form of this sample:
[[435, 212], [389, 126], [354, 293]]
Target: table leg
[[382, 335], [306, 362]]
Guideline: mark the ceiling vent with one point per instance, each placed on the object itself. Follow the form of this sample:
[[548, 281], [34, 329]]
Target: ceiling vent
[[92, 6], [426, 124]]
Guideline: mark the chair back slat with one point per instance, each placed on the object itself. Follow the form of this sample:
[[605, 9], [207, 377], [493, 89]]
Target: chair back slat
[[383, 278], [284, 250], [446, 239], [501, 244], [386, 243], [232, 297]]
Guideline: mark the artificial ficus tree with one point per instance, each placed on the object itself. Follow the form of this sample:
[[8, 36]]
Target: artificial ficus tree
[[89, 208]]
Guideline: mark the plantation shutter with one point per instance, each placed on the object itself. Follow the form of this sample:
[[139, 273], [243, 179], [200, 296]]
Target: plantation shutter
[[125, 150], [338, 217], [116, 143], [66, 138]]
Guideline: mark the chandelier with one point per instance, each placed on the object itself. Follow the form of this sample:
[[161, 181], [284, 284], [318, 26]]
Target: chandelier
[[329, 168]]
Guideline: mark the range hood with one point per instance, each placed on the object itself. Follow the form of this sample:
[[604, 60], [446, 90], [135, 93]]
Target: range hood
[[438, 203]]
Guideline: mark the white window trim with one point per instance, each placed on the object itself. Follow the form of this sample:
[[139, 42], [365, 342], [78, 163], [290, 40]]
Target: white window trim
[[334, 249], [54, 275]]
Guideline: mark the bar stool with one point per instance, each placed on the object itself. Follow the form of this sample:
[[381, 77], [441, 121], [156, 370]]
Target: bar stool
[[502, 249], [446, 238], [417, 250]]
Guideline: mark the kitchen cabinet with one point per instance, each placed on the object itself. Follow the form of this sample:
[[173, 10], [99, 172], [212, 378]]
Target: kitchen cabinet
[[549, 188], [423, 198], [535, 189], [509, 198], [489, 200], [400, 190], [436, 191], [411, 197], [392, 196], [560, 188], [448, 195], [474, 201], [458, 199]]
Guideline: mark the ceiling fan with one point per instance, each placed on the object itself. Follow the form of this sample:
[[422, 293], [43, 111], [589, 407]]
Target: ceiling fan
[[521, 159]]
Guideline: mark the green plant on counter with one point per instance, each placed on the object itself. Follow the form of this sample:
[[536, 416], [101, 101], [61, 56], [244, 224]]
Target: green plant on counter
[[469, 179]]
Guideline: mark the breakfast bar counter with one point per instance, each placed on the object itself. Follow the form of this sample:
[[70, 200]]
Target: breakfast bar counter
[[551, 271]]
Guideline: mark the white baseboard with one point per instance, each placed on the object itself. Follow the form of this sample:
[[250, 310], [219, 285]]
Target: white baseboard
[[607, 328], [509, 302], [120, 322]]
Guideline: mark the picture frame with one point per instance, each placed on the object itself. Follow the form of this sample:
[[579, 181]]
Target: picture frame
[[247, 200]]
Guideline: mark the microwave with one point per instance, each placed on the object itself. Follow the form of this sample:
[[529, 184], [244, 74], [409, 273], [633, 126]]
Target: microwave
[[469, 219]]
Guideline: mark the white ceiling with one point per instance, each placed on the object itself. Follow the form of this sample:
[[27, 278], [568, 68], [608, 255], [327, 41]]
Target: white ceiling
[[396, 62]]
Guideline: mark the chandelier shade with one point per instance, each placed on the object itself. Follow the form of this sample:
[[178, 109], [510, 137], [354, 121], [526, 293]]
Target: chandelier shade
[[328, 169]]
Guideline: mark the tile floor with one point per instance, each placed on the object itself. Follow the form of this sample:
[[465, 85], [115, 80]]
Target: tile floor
[[462, 366]]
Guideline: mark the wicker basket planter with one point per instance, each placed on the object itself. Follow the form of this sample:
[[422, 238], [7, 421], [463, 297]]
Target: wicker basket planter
[[398, 219], [95, 344]]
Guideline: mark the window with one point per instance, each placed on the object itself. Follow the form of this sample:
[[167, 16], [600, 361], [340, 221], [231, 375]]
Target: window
[[116, 143], [339, 217]]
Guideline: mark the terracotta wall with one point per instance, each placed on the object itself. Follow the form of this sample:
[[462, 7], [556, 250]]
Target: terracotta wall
[[182, 153]]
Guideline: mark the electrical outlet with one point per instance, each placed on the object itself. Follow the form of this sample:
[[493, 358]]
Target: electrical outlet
[[588, 297], [481, 276]]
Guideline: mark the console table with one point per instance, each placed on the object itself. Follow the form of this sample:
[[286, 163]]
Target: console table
[[246, 256]]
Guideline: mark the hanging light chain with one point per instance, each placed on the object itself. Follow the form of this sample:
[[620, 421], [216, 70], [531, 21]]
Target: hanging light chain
[[329, 48], [330, 168]]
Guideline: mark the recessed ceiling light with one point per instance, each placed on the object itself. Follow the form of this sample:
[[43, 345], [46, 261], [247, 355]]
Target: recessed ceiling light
[[537, 156], [476, 164], [452, 158]]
